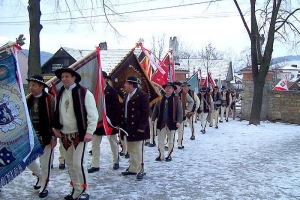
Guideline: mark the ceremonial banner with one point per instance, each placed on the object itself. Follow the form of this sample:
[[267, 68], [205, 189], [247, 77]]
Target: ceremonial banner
[[19, 145], [160, 78], [130, 66]]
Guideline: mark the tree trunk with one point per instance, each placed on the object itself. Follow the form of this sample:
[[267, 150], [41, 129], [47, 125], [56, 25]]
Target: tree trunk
[[34, 59], [259, 83]]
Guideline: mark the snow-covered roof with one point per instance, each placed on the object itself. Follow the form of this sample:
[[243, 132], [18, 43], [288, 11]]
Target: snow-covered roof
[[109, 58], [218, 68]]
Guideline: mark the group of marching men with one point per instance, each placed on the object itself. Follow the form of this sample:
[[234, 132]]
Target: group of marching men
[[72, 116]]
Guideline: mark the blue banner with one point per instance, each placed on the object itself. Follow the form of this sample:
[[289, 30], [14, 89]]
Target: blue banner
[[19, 145], [194, 82]]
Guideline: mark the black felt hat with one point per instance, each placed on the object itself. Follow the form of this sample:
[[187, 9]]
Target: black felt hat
[[58, 73], [38, 79], [186, 83], [169, 84], [203, 89], [132, 79]]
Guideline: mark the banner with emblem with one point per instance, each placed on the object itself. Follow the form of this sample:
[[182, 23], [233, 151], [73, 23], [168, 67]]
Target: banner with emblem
[[19, 145], [129, 66]]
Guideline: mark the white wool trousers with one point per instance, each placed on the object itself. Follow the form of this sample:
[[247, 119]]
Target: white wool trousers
[[42, 170], [226, 110], [161, 135], [96, 141], [136, 160], [75, 161]]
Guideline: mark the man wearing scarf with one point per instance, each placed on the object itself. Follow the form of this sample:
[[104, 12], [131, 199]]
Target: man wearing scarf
[[75, 121], [41, 108], [169, 115]]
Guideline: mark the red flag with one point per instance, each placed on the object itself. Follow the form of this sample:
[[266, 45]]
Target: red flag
[[100, 87], [211, 80], [146, 66], [160, 78], [205, 83]]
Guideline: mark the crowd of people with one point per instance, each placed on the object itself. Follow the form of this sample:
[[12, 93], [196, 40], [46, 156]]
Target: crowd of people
[[73, 118]]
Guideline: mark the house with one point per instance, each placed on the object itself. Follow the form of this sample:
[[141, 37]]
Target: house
[[219, 69]]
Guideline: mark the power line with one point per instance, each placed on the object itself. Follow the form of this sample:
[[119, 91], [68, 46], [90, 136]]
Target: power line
[[127, 12]]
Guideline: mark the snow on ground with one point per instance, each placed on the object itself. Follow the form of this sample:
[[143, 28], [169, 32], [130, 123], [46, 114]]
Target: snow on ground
[[236, 161]]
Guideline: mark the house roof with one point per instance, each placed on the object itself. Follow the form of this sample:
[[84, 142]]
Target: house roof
[[109, 58], [218, 68]]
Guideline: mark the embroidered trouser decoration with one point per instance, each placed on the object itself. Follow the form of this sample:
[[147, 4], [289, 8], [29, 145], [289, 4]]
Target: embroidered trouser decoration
[[68, 139]]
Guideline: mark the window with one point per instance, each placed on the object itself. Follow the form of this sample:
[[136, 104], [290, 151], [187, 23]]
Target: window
[[56, 66]]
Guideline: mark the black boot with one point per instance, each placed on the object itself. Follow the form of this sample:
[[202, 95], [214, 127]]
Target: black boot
[[168, 159]]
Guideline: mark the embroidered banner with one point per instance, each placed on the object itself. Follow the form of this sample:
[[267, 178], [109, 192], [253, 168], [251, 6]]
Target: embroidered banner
[[19, 145]]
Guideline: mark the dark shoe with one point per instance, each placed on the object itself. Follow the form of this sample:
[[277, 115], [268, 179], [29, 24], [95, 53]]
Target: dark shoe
[[43, 194], [68, 197], [140, 176], [147, 143], [226, 120], [84, 197], [91, 152], [51, 166], [182, 147], [121, 153], [185, 125], [221, 121], [36, 187], [166, 148], [168, 159], [116, 166], [62, 166], [210, 125], [216, 127], [127, 155], [152, 145], [192, 137], [126, 173], [93, 169], [203, 132], [158, 158]]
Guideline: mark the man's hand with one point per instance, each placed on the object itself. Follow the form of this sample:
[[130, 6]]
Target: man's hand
[[139, 130], [56, 132], [152, 122], [53, 142], [88, 137], [177, 125]]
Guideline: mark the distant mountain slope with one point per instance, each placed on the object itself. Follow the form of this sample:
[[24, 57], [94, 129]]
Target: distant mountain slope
[[44, 55], [284, 59]]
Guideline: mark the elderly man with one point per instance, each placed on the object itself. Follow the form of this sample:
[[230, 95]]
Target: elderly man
[[226, 103], [75, 121], [41, 108], [134, 119]]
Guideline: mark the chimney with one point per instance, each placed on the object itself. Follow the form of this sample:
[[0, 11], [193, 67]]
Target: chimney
[[103, 46]]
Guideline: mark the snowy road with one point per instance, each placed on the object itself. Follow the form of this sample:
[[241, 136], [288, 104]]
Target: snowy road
[[236, 161]]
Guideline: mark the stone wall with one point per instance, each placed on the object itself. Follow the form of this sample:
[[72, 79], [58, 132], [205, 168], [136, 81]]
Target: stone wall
[[277, 105], [248, 97], [284, 106]]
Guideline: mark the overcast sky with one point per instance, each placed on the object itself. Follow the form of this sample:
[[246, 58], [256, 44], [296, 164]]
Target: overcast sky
[[194, 22]]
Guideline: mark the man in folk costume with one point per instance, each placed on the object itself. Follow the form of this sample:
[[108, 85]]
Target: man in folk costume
[[41, 109], [187, 106], [206, 106], [151, 142], [134, 119], [75, 121], [226, 103], [112, 109], [191, 116], [169, 115], [217, 100]]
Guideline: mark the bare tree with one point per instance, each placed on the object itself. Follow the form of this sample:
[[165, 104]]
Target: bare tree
[[275, 20], [158, 45], [207, 54], [186, 51]]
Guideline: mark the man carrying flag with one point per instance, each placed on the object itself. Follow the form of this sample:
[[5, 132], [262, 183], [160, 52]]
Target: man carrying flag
[[112, 106], [75, 121]]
